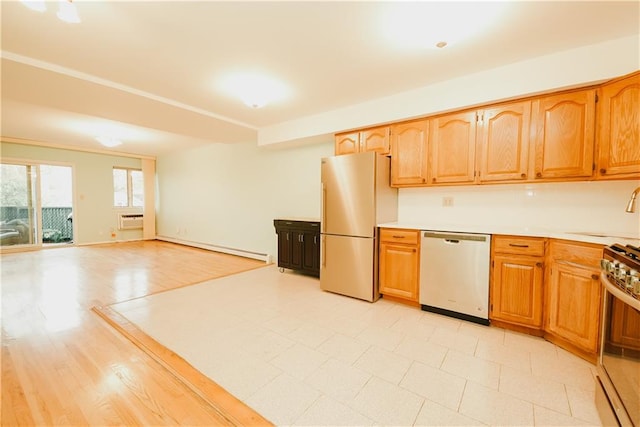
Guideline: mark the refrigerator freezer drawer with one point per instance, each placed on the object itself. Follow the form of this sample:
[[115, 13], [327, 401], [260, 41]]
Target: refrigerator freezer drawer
[[347, 266]]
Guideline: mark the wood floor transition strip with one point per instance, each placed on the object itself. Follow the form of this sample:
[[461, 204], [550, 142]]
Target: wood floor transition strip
[[227, 405]]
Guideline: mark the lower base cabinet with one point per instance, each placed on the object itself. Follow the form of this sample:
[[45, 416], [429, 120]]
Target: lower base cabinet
[[517, 274], [549, 288], [298, 245], [399, 263], [574, 296]]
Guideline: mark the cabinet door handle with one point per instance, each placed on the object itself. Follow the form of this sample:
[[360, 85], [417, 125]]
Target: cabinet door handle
[[315, 240], [517, 245], [287, 234], [301, 238]]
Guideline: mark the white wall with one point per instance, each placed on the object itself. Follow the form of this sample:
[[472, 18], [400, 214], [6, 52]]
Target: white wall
[[565, 207], [228, 195], [565, 69], [94, 214]]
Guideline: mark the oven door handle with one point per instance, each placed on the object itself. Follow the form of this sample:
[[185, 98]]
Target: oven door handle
[[618, 293]]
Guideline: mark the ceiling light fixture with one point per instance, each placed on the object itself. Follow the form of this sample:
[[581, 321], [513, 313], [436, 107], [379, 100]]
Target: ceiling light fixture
[[37, 5], [67, 12], [255, 90], [108, 141], [436, 24]]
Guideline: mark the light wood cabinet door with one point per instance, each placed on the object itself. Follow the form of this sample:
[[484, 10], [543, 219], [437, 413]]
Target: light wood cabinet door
[[516, 290], [503, 142], [619, 129], [376, 139], [409, 153], [347, 143], [399, 270], [625, 325], [452, 142], [565, 134], [573, 304]]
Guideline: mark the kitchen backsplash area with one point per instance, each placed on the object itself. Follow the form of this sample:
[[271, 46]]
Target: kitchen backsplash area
[[585, 206]]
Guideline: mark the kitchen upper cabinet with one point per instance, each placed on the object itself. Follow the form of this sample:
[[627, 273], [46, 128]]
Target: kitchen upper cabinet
[[517, 275], [452, 148], [565, 134], [374, 139], [574, 296], [503, 142], [409, 153], [348, 143], [399, 263], [619, 129]]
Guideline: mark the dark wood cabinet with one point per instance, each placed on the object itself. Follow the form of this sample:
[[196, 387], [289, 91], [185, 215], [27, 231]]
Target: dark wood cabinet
[[298, 245]]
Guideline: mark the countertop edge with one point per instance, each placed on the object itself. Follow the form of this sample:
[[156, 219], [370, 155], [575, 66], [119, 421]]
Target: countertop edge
[[603, 238]]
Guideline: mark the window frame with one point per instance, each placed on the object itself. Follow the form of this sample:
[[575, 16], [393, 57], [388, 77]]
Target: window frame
[[129, 187]]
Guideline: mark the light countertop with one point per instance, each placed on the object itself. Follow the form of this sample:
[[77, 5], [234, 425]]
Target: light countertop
[[600, 237]]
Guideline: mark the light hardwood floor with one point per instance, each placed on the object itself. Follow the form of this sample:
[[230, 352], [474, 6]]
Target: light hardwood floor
[[63, 365]]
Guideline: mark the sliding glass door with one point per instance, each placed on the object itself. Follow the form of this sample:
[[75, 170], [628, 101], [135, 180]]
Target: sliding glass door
[[18, 205], [35, 204]]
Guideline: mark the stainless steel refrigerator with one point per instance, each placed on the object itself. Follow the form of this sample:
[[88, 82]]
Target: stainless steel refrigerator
[[356, 197]]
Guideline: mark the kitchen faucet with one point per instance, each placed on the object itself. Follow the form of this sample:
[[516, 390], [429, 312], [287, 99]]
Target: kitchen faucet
[[632, 201]]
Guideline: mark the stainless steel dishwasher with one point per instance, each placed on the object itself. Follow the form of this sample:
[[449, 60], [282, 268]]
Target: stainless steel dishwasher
[[454, 274]]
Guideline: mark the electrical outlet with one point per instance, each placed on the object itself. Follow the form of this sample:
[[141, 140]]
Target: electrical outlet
[[447, 201]]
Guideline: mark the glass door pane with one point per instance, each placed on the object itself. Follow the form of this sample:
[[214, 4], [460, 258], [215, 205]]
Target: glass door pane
[[56, 194], [17, 205]]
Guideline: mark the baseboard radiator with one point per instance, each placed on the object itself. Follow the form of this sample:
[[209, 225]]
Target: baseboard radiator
[[231, 251], [128, 221]]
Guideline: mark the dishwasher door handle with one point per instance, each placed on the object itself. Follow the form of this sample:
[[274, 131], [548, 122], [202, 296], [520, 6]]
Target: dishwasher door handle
[[451, 241]]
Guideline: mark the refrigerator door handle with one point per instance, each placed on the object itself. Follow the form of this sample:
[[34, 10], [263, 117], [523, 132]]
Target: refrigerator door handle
[[323, 251], [323, 208]]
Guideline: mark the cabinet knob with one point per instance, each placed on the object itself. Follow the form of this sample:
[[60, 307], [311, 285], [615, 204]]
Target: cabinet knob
[[523, 175], [603, 171], [538, 174], [539, 264], [595, 277], [433, 180]]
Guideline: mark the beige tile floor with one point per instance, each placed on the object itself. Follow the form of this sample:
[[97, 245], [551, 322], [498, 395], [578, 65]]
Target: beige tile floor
[[301, 356]]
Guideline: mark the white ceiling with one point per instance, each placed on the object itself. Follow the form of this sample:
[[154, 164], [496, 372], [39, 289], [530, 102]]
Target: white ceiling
[[148, 72]]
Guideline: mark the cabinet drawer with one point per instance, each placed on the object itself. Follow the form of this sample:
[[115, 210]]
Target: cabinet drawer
[[395, 235], [519, 245], [585, 255]]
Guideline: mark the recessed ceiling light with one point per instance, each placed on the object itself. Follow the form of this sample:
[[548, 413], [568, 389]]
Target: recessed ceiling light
[[108, 141], [254, 89], [441, 44]]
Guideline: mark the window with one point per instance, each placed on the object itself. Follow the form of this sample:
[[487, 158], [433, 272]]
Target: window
[[128, 188]]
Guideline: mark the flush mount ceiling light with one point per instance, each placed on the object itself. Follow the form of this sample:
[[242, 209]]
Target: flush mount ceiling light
[[38, 6], [436, 24], [254, 89], [67, 11], [108, 141]]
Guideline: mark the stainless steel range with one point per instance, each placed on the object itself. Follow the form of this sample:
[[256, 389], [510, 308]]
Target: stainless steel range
[[618, 391]]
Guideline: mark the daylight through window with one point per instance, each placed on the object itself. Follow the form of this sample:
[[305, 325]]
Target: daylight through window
[[128, 187]]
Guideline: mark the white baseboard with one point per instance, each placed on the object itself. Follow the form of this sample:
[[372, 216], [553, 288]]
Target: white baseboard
[[231, 251], [109, 241]]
